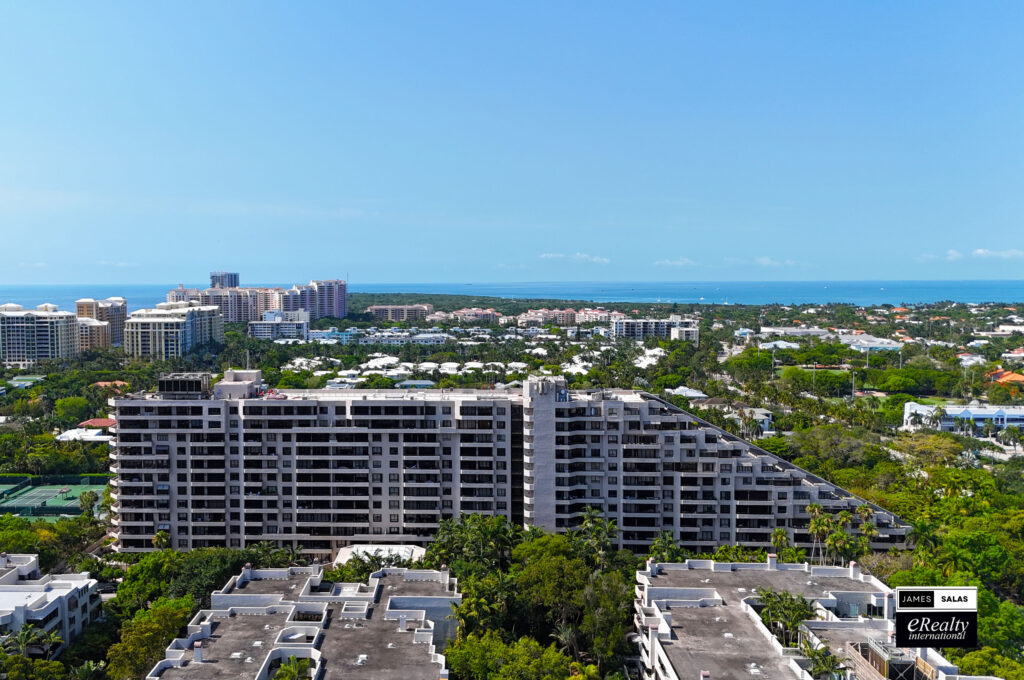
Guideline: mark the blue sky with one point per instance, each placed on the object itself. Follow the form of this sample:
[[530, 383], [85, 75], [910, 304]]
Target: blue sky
[[444, 141]]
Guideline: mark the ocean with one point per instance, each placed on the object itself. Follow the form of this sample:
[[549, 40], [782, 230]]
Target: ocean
[[724, 292]]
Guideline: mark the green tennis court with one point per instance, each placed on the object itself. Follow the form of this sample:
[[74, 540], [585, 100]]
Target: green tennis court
[[50, 496]]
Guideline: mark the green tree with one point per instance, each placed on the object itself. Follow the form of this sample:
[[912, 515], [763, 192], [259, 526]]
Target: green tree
[[87, 500], [161, 540], [293, 669], [71, 410], [145, 637]]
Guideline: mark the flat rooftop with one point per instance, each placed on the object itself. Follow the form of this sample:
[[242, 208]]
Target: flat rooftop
[[388, 654], [736, 585], [723, 640], [236, 649], [288, 587]]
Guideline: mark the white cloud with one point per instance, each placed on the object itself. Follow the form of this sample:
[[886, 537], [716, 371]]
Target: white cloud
[[766, 261], [680, 262], [1010, 254], [587, 257], [954, 255], [925, 257], [32, 265], [578, 257]]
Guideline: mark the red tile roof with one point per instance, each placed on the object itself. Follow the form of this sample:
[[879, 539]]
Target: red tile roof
[[98, 422]]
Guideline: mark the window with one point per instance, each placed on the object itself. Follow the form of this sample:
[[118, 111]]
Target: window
[[394, 518]]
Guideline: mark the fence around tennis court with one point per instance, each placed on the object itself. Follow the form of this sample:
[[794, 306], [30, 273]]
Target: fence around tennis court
[[19, 485]]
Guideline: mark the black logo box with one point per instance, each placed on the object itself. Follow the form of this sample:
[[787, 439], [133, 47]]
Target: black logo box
[[916, 598], [936, 629]]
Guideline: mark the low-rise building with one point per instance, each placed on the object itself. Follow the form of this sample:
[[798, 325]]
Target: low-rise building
[[393, 626], [796, 331], [60, 603], [945, 417], [277, 324], [699, 619]]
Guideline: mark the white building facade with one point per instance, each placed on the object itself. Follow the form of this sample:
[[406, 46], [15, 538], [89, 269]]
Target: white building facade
[[327, 468]]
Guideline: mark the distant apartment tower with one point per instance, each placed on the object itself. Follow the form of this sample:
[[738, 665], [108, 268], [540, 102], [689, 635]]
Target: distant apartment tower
[[400, 312], [30, 336], [675, 327], [232, 465], [183, 294], [172, 329], [277, 325], [223, 279], [113, 310], [321, 299], [93, 334]]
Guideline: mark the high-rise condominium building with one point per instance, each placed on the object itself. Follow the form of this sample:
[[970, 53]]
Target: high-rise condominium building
[[237, 305], [113, 310], [172, 329], [320, 298], [400, 312], [92, 334], [223, 279], [638, 329], [30, 336], [235, 465]]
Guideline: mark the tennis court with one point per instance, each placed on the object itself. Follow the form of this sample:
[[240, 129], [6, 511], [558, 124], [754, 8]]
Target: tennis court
[[50, 496]]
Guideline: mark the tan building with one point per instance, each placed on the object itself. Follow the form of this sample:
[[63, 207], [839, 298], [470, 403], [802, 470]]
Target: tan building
[[400, 312], [172, 329], [113, 310], [93, 334]]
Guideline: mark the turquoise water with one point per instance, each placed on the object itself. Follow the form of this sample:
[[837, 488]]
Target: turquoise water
[[733, 292]]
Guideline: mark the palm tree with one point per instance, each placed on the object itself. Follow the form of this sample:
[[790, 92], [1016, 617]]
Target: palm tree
[[19, 643], [50, 642], [568, 637], [824, 665], [952, 560], [293, 669], [819, 527], [89, 670], [161, 540], [923, 536], [665, 549], [864, 512], [780, 539], [936, 416]]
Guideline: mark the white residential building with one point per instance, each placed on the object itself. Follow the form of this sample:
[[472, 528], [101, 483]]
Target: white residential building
[[61, 603], [30, 336], [638, 329], [172, 329], [277, 324], [918, 415], [393, 626], [321, 299], [327, 468], [699, 619]]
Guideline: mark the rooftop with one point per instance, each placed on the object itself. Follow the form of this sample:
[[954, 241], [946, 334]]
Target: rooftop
[[385, 628], [723, 640]]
